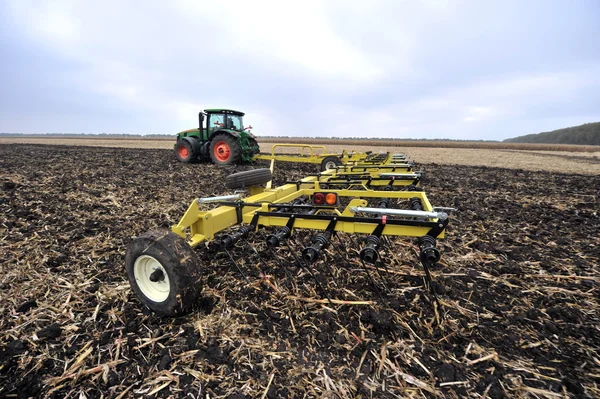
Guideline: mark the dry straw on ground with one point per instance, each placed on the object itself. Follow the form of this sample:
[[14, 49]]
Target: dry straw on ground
[[518, 284]]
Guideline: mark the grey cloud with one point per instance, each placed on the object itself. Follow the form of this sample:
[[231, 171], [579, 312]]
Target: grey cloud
[[382, 68]]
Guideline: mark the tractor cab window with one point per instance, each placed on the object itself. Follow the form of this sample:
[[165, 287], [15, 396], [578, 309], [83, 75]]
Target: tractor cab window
[[217, 121], [233, 122], [227, 121]]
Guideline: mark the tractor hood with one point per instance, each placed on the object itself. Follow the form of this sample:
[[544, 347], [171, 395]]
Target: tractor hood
[[188, 133], [237, 132]]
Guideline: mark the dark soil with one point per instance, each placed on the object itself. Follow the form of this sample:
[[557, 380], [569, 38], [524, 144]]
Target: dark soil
[[518, 284]]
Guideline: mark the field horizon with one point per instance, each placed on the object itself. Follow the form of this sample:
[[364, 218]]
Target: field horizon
[[533, 157]]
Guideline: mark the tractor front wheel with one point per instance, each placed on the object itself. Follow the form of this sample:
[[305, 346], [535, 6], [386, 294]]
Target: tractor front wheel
[[225, 150], [164, 272], [184, 151]]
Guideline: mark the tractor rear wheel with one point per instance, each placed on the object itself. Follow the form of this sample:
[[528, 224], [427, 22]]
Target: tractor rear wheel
[[164, 272], [254, 147], [248, 178], [225, 150], [330, 163], [184, 151]]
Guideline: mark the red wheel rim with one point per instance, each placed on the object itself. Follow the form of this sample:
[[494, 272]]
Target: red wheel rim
[[222, 151], [183, 151]]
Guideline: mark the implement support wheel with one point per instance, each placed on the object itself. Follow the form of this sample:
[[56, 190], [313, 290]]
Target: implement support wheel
[[330, 163], [164, 272], [225, 150], [248, 178]]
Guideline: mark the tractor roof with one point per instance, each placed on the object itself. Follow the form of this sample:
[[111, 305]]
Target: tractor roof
[[223, 111]]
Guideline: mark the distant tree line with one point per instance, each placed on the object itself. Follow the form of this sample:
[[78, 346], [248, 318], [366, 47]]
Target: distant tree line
[[586, 134], [100, 135], [262, 136]]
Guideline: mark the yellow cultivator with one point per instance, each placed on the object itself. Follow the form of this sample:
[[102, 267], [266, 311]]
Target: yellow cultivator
[[364, 199]]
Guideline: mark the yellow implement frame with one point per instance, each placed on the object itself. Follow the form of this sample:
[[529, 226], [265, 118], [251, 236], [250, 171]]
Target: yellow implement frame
[[312, 154], [164, 271], [203, 225]]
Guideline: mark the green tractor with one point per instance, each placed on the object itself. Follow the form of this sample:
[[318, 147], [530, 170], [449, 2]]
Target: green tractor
[[220, 137]]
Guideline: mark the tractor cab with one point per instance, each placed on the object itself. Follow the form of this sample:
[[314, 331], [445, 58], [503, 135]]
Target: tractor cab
[[212, 120], [220, 136]]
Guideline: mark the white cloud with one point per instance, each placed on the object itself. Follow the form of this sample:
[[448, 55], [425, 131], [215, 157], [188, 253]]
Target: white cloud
[[478, 113], [295, 34], [331, 68]]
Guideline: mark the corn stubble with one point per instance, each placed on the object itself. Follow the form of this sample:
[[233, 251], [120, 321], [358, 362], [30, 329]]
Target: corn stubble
[[518, 286]]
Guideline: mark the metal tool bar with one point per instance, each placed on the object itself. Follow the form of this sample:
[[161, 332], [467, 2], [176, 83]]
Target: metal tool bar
[[208, 200], [405, 175], [400, 212]]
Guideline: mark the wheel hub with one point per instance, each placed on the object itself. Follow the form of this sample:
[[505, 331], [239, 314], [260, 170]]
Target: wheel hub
[[183, 151], [222, 151], [151, 278], [157, 275]]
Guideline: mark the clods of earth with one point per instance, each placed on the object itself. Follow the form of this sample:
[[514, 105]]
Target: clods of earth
[[518, 287]]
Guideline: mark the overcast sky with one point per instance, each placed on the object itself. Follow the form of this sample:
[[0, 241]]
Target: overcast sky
[[405, 69]]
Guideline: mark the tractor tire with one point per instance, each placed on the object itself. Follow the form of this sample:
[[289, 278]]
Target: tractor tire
[[184, 151], [254, 146], [330, 163], [164, 272], [225, 150], [248, 178]]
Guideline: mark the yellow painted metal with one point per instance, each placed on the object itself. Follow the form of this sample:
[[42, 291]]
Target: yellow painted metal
[[309, 154], [203, 225], [346, 227], [354, 202], [312, 149], [373, 183], [272, 169]]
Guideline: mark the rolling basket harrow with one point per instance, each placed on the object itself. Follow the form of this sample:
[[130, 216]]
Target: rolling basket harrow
[[349, 215]]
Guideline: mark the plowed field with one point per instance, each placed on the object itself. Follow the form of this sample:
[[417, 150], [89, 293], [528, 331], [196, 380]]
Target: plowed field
[[518, 283]]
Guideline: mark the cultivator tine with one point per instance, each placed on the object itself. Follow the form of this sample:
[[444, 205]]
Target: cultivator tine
[[260, 258], [274, 241], [364, 266], [429, 256], [371, 280], [282, 266], [436, 304], [329, 270], [380, 262], [378, 266], [316, 251], [313, 275], [345, 259], [339, 252], [236, 265]]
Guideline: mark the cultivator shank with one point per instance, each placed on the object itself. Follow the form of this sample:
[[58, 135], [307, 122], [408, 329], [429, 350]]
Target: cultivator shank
[[368, 203]]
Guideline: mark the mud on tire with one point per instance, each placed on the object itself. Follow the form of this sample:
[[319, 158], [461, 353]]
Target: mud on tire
[[223, 144], [184, 151], [164, 272]]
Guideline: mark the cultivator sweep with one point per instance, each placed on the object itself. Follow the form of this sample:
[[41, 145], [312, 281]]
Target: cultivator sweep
[[349, 215]]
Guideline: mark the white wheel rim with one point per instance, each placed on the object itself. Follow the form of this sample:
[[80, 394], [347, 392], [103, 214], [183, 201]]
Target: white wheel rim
[[330, 165], [157, 291]]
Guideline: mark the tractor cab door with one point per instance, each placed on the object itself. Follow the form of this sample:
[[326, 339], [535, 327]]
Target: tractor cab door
[[215, 122], [202, 121]]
